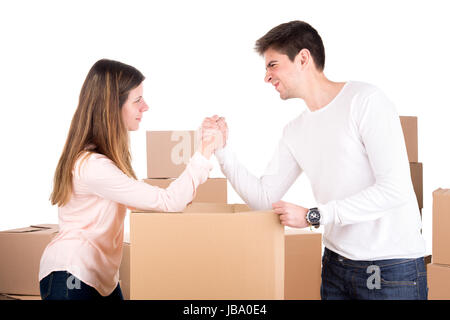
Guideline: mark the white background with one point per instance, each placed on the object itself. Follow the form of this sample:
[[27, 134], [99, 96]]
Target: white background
[[199, 60]]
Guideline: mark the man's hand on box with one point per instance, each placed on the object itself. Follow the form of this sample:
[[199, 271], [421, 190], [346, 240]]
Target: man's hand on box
[[290, 214]]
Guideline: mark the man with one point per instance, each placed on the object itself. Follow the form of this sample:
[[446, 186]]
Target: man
[[349, 142]]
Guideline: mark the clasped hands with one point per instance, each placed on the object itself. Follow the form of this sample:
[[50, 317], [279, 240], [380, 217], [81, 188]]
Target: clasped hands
[[214, 137], [214, 134]]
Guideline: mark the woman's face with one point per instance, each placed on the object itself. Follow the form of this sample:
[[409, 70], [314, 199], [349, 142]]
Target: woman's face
[[134, 108]]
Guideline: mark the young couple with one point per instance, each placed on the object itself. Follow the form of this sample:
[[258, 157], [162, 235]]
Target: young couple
[[348, 141]]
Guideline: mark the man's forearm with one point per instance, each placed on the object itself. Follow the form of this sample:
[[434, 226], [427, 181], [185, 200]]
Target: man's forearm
[[259, 193]]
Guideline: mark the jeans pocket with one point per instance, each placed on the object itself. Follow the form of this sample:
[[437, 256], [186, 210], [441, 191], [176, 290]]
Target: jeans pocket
[[399, 281], [400, 274], [45, 286]]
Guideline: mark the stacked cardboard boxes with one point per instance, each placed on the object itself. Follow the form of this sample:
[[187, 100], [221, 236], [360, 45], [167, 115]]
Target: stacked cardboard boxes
[[439, 270], [409, 126], [21, 250], [213, 250], [410, 132], [168, 153]]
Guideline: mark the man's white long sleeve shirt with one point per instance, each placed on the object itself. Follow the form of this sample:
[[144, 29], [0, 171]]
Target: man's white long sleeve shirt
[[354, 154]]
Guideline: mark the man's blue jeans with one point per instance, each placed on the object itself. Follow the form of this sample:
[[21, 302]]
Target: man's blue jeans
[[62, 285], [392, 279]]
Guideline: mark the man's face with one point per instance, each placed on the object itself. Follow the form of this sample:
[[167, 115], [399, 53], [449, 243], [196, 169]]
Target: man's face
[[282, 73]]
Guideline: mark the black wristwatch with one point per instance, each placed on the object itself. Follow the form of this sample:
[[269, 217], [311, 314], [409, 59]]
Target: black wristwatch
[[313, 217]]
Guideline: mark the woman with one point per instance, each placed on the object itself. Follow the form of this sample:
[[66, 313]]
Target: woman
[[94, 183]]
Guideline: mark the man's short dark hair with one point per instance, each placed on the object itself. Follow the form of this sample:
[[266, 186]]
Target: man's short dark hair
[[291, 37]]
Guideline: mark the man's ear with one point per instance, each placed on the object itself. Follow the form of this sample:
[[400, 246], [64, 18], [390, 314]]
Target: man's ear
[[303, 58]]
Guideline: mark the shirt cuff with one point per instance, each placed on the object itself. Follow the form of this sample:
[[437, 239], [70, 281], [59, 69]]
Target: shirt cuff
[[327, 213], [198, 159], [223, 153]]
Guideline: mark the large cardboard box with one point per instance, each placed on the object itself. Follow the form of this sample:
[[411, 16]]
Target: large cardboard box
[[21, 251], [416, 169], [303, 264], [213, 190], [210, 251], [438, 281], [409, 126], [168, 152], [441, 226], [302, 272]]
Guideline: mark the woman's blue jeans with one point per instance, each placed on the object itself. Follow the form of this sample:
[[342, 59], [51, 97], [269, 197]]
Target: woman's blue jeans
[[62, 285]]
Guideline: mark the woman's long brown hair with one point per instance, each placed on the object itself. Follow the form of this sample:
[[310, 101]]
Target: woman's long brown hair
[[98, 124]]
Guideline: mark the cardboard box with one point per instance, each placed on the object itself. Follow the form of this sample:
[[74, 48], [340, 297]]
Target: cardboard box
[[441, 226], [438, 281], [210, 251], [213, 190], [5, 297], [18, 297], [303, 264], [416, 169], [409, 126], [124, 272], [21, 251], [168, 152]]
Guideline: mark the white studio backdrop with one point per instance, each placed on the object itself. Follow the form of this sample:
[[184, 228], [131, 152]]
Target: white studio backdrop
[[199, 60]]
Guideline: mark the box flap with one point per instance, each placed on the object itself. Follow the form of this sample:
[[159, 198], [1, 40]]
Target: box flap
[[204, 207], [208, 207], [198, 207], [22, 297], [34, 228], [241, 207], [440, 191], [23, 230], [46, 226]]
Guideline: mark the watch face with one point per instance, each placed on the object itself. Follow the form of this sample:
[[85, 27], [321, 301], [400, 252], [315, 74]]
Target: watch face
[[314, 217]]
